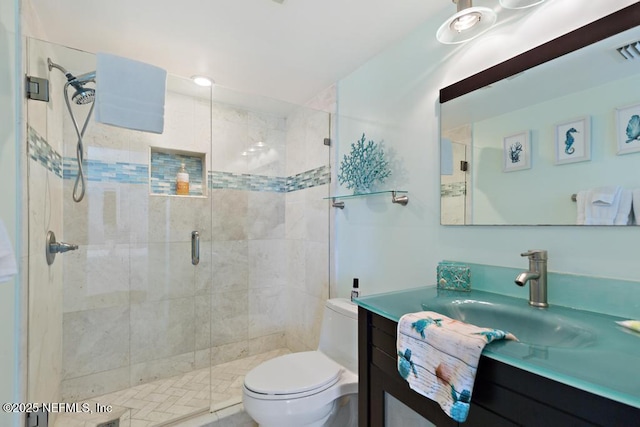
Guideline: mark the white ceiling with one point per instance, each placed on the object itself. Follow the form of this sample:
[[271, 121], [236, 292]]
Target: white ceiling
[[289, 51]]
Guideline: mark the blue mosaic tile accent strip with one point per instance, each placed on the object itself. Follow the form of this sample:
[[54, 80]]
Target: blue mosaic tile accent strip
[[235, 181], [164, 169], [455, 189], [101, 171], [43, 153], [132, 173], [308, 179], [165, 166]]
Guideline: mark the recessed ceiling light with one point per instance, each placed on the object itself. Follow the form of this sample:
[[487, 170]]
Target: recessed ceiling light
[[202, 81]]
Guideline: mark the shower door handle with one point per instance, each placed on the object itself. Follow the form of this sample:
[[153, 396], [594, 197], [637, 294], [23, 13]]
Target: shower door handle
[[195, 247]]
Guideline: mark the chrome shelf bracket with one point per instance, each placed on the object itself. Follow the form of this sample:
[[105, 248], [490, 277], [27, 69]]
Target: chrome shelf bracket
[[402, 200]]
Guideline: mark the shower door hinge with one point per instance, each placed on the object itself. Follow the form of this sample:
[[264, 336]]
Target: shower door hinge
[[327, 141], [39, 418], [37, 88]]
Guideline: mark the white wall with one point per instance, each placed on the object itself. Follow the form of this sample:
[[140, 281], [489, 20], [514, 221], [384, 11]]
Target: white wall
[[395, 97]]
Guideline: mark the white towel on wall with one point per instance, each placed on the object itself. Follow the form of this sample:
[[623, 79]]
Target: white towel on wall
[[604, 196], [129, 94], [623, 217], [635, 197], [581, 201], [8, 266], [602, 205]]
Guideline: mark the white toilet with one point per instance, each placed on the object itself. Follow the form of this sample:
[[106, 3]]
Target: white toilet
[[311, 388]]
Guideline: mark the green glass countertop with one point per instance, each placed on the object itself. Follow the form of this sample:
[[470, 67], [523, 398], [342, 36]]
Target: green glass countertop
[[607, 364]]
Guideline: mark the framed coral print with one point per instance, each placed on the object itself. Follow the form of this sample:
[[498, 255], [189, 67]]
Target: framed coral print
[[573, 141], [516, 152], [628, 129]]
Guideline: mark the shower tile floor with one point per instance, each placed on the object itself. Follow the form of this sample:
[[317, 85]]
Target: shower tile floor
[[167, 401]]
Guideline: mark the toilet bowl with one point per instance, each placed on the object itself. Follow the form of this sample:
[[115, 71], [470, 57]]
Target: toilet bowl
[[311, 388]]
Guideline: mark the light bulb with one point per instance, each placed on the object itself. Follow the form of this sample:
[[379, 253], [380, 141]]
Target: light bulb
[[202, 81], [464, 22]]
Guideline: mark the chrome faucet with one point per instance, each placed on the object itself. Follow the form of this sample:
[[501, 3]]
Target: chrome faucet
[[537, 276]]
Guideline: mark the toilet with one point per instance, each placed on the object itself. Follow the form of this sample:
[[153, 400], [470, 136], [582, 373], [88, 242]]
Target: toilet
[[310, 388]]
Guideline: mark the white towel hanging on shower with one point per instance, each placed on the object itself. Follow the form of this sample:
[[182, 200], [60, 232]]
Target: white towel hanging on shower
[[8, 266], [129, 94]]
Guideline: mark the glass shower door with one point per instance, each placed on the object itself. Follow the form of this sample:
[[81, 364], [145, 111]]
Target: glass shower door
[[120, 319]]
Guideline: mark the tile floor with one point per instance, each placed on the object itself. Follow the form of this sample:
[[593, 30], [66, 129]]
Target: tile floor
[[168, 401]]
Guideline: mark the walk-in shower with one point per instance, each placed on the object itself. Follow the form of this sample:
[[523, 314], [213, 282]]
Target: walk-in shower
[[127, 319], [82, 96]]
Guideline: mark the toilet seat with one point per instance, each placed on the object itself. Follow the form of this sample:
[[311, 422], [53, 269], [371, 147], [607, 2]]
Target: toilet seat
[[292, 376]]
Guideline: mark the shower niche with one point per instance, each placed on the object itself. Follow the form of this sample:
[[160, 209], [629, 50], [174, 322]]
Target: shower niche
[[164, 165]]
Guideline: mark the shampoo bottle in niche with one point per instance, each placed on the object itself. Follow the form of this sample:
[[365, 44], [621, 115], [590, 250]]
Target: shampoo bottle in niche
[[182, 181], [355, 290]]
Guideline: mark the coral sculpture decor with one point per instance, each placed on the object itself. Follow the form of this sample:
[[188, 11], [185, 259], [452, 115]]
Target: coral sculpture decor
[[364, 167]]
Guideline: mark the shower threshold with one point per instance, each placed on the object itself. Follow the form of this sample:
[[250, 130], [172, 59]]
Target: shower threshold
[[192, 399]]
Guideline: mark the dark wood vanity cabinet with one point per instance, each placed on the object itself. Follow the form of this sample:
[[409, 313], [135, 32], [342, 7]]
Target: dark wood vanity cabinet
[[502, 395]]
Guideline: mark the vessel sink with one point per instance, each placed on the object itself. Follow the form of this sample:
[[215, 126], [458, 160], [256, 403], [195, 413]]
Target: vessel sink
[[533, 326]]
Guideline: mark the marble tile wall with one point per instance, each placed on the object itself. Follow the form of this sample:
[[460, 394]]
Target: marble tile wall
[[307, 227]]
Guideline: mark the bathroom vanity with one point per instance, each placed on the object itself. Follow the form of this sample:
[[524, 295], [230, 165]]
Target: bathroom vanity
[[584, 380]]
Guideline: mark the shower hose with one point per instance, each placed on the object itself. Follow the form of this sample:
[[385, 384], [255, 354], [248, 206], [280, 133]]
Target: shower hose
[[81, 182]]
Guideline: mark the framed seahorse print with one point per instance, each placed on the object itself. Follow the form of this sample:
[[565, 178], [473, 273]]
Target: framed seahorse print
[[573, 141], [516, 152], [628, 129]]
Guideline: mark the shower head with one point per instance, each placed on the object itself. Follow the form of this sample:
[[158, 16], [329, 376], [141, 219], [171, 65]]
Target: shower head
[[83, 95]]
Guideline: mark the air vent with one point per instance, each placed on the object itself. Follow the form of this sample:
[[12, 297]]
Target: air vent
[[630, 51]]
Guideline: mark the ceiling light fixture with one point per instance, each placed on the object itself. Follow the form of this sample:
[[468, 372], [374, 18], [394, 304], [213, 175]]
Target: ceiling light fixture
[[468, 23], [202, 81], [519, 4]]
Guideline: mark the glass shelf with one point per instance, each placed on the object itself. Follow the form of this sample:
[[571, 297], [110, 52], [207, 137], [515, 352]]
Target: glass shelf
[[397, 196]]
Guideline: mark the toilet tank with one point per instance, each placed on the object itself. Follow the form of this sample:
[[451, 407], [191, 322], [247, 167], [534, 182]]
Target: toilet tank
[[339, 332]]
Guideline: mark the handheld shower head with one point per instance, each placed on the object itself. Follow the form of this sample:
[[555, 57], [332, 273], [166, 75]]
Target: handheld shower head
[[83, 95]]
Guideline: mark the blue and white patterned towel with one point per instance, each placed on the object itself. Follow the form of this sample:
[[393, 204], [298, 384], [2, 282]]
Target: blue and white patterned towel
[[439, 357]]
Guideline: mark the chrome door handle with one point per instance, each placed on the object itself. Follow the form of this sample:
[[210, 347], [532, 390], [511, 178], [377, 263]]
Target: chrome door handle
[[195, 247]]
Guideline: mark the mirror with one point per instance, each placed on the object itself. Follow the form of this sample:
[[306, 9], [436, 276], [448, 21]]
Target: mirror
[[519, 139]]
